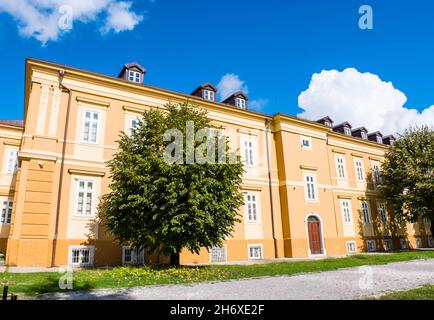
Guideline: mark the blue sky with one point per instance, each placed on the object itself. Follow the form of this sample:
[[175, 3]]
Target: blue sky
[[273, 46]]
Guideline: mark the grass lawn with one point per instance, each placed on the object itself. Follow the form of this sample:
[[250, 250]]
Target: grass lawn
[[36, 283], [422, 293]]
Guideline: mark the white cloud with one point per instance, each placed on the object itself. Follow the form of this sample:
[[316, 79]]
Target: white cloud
[[229, 84], [42, 19], [362, 99], [258, 104]]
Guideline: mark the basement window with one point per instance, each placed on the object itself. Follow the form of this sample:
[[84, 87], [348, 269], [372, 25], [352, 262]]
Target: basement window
[[81, 256], [255, 252], [218, 254]]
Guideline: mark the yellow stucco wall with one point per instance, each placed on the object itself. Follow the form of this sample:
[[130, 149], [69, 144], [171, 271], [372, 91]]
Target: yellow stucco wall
[[37, 232]]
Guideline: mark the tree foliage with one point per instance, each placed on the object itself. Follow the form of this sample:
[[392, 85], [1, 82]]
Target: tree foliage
[[168, 207], [408, 175]]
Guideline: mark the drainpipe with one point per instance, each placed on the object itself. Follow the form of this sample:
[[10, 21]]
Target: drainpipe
[[267, 131], [62, 164]]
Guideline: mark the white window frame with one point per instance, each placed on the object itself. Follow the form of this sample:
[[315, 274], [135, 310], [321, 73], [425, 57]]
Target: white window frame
[[340, 164], [78, 190], [314, 187], [224, 249], [208, 95], [379, 139], [137, 258], [240, 103], [382, 211], [309, 141], [371, 245], [364, 135], [426, 220], [346, 218], [388, 244], [11, 165], [352, 242], [249, 153], [91, 121], [133, 76], [347, 131], [360, 172], [90, 263], [255, 205], [260, 247], [131, 126], [6, 211], [366, 216]]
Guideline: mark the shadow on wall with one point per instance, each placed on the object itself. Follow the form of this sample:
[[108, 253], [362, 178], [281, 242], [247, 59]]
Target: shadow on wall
[[387, 236]]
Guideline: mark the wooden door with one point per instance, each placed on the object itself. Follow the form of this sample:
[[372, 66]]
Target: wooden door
[[313, 226]]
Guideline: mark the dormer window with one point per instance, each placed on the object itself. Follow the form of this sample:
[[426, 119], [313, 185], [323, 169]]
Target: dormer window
[[364, 135], [134, 76], [347, 131], [209, 95], [379, 139], [240, 103], [132, 72], [328, 123]]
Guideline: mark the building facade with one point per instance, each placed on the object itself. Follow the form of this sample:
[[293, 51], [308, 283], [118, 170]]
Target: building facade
[[310, 187]]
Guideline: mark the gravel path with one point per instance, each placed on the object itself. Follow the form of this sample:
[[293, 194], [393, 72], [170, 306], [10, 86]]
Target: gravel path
[[347, 283]]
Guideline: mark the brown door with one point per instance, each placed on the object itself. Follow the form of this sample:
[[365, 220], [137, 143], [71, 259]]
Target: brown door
[[313, 227]]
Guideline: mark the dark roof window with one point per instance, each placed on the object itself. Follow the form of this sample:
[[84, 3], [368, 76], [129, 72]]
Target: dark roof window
[[327, 121], [344, 128], [390, 139], [206, 91], [238, 99], [133, 72], [376, 136], [361, 132]]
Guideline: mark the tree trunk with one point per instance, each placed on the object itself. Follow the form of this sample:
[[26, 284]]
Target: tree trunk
[[174, 259]]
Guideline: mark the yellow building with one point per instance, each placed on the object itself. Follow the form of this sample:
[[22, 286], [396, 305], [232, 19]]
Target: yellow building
[[310, 187]]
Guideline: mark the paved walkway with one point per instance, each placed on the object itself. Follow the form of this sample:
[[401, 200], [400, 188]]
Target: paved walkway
[[347, 283]]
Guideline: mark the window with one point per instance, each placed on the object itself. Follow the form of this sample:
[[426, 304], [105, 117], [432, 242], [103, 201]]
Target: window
[[255, 252], [208, 95], [399, 218], [351, 247], [12, 162], [364, 135], [90, 126], [306, 143], [346, 211], [388, 245], [430, 241], [328, 123], [426, 220], [404, 243], [340, 165], [6, 212], [376, 173], [379, 139], [84, 197], [249, 151], [310, 188], [218, 254], [240, 103], [347, 131], [134, 76], [251, 205], [81, 256], [365, 212], [382, 213], [360, 175], [133, 256], [371, 245], [418, 243], [133, 124]]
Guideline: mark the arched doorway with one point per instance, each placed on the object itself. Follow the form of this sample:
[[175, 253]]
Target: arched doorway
[[315, 236]]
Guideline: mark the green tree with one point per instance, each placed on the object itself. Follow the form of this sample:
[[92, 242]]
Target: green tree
[[408, 175], [167, 207]]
